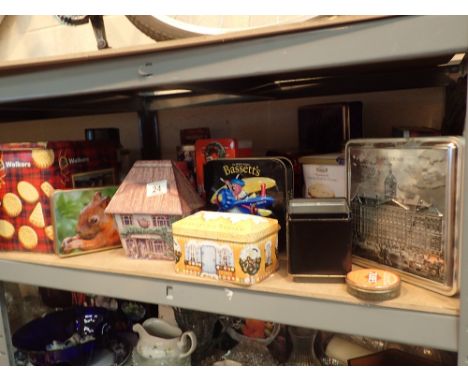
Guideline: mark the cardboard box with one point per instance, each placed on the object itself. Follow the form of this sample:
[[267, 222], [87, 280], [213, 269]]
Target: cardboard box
[[324, 176], [239, 248], [30, 172]]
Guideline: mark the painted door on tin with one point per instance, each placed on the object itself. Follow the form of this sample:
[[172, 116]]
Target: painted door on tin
[[208, 258]]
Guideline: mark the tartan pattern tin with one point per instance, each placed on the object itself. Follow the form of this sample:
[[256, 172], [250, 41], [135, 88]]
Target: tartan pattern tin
[[405, 199], [29, 173]]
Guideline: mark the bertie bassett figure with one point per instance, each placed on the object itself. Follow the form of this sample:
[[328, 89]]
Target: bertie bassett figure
[[256, 186], [233, 197]]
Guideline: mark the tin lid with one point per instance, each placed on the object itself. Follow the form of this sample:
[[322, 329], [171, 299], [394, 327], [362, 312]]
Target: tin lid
[[337, 206], [323, 159], [225, 226], [373, 282]]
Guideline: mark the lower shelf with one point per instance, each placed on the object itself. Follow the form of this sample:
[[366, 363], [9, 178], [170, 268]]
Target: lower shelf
[[417, 317]]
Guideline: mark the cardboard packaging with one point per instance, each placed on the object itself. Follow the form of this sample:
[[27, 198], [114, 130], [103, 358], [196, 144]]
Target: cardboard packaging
[[324, 176], [239, 248], [30, 172], [152, 196]]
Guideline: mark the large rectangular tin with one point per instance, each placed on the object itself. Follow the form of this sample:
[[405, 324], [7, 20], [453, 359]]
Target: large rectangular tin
[[405, 195]]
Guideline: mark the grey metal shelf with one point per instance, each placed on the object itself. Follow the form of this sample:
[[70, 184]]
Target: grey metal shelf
[[398, 41], [423, 317]]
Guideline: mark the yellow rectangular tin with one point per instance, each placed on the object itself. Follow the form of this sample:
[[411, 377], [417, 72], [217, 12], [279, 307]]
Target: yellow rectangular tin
[[239, 248]]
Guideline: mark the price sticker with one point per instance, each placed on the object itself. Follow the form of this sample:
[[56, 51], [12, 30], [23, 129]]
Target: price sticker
[[372, 277], [156, 188]]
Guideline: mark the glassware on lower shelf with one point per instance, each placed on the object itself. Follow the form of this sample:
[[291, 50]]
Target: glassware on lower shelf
[[302, 346], [203, 325], [249, 352]]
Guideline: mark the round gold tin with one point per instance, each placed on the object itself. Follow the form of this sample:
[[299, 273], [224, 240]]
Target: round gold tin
[[373, 284]]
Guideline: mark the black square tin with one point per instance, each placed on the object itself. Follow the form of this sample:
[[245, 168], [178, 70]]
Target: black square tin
[[319, 238], [259, 186]]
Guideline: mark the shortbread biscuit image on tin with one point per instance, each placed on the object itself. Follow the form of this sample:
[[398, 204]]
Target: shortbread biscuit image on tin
[[37, 217], [27, 192], [49, 231], [12, 204], [47, 188], [320, 190], [7, 231], [27, 237], [43, 158]]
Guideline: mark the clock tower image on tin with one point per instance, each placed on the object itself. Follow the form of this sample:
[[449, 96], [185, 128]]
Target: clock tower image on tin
[[402, 194]]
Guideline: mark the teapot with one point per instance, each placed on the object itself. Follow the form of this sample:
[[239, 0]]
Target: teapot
[[161, 343]]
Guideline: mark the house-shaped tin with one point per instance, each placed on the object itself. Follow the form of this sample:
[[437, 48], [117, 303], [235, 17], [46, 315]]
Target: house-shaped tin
[[153, 195]]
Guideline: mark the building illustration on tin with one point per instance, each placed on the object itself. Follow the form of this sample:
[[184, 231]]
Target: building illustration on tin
[[405, 234], [209, 259], [152, 196]]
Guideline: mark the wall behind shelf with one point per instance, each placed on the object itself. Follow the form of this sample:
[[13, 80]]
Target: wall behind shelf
[[255, 121], [73, 129]]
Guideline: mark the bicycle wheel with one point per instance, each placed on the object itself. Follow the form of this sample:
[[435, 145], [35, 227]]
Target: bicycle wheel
[[163, 27]]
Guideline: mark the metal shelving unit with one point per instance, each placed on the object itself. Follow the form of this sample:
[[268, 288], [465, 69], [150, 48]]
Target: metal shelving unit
[[325, 306], [210, 65], [399, 39]]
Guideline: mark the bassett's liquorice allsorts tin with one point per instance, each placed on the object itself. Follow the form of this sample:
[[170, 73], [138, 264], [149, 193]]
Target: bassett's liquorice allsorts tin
[[256, 186], [405, 199], [233, 247]]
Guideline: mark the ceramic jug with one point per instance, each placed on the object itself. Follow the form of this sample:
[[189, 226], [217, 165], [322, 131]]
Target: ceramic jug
[[161, 343]]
